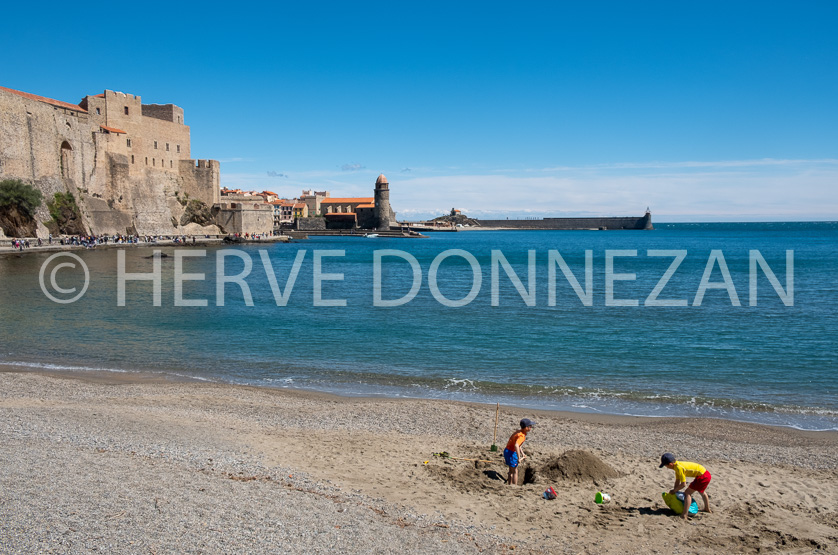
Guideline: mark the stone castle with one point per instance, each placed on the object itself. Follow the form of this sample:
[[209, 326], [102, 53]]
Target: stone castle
[[127, 163]]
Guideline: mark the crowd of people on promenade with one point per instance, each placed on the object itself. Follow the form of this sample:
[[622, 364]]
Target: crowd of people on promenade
[[91, 241]]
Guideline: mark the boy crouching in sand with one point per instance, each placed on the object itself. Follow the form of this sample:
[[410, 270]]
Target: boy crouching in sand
[[693, 470], [513, 454]]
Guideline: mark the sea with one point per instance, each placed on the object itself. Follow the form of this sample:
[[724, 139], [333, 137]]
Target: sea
[[722, 320]]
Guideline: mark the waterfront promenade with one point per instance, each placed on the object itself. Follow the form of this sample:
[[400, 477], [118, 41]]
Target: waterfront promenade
[[7, 248]]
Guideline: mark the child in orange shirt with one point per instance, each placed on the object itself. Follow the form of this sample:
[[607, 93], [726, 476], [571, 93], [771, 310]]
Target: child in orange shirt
[[513, 454]]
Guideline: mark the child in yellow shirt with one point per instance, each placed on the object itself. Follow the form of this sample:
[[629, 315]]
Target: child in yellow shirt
[[699, 484]]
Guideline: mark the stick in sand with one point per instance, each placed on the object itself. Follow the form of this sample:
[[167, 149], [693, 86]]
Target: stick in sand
[[495, 437]]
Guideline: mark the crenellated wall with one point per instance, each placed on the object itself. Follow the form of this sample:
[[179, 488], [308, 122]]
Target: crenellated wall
[[200, 180]]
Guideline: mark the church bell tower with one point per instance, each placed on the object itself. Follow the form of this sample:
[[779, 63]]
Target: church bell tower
[[382, 204]]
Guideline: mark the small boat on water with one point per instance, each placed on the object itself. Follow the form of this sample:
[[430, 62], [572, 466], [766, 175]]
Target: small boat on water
[[371, 235]]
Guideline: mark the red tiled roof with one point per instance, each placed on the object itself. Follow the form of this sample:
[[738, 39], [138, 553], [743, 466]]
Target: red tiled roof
[[339, 214], [300, 205], [112, 129], [369, 205], [360, 200], [46, 100]]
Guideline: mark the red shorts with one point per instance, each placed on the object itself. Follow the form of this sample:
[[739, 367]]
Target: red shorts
[[701, 482]]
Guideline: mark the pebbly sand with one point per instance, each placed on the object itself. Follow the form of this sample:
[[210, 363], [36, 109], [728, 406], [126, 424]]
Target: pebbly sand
[[134, 464]]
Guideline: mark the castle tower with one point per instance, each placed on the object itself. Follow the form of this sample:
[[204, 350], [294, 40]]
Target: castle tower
[[381, 212]]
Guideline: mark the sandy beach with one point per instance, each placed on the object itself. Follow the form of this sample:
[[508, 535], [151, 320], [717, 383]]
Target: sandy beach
[[125, 463]]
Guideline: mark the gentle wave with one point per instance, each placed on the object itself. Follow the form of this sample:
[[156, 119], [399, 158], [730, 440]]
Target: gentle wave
[[572, 399], [61, 367], [48, 366]]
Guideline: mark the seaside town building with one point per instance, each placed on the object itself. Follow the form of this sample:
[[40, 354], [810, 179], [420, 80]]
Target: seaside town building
[[313, 199], [248, 196], [369, 213], [299, 210], [346, 212], [282, 212]]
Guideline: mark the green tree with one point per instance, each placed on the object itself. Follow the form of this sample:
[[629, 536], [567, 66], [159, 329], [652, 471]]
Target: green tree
[[66, 216], [63, 207], [17, 194]]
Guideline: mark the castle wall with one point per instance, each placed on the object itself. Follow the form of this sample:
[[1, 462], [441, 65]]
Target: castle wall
[[158, 137], [165, 112], [32, 135], [258, 221], [200, 179], [59, 147], [229, 220], [366, 218], [310, 224], [237, 217]]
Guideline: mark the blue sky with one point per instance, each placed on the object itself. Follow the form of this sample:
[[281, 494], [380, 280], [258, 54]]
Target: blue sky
[[710, 111]]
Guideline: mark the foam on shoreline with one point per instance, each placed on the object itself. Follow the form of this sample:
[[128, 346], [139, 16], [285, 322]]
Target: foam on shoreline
[[125, 377]]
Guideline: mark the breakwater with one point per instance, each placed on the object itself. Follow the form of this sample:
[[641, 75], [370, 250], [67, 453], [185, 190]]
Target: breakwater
[[605, 223]]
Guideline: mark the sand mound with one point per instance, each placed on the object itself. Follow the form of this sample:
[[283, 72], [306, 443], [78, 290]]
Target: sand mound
[[469, 477], [578, 466]]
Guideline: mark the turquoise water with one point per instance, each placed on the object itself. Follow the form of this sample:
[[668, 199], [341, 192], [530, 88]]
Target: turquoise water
[[774, 362]]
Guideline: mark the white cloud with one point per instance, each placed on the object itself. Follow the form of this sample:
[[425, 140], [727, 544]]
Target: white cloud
[[695, 164], [352, 167], [724, 190], [235, 160], [769, 189]]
